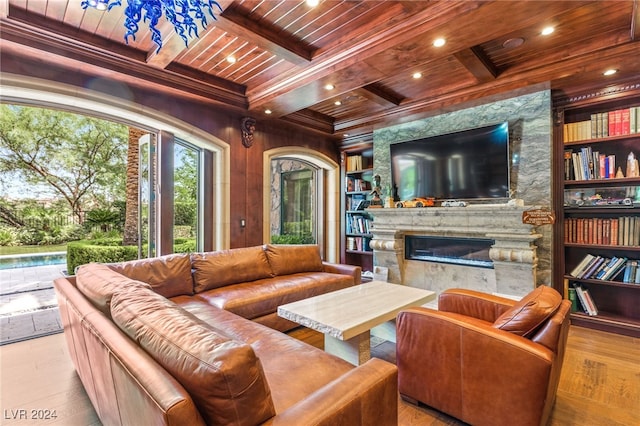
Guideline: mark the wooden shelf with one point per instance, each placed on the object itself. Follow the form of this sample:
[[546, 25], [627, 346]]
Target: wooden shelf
[[606, 321], [601, 140], [616, 301], [603, 183], [360, 258]]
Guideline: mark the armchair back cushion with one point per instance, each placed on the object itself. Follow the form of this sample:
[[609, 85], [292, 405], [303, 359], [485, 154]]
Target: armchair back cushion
[[530, 312], [224, 267], [223, 376], [292, 259], [168, 275]]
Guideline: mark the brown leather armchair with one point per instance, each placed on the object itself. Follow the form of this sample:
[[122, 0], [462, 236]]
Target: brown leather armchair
[[483, 359]]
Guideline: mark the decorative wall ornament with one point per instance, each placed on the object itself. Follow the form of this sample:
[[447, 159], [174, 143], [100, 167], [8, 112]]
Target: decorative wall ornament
[[248, 125], [180, 13]]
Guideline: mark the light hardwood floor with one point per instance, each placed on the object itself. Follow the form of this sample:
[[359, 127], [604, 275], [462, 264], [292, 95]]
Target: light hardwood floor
[[600, 383]]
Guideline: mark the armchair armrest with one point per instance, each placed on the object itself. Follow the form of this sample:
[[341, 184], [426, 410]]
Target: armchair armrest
[[340, 268], [469, 369], [474, 304], [364, 396]]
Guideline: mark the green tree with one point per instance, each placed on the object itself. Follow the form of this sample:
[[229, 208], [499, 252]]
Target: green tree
[[80, 158]]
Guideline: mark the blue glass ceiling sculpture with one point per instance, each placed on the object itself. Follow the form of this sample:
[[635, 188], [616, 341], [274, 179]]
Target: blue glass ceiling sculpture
[[180, 13]]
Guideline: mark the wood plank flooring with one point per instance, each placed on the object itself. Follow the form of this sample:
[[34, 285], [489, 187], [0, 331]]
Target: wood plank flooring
[[600, 383]]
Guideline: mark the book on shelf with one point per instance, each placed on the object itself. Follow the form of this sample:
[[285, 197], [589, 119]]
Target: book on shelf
[[581, 266], [630, 270], [354, 163], [592, 267], [611, 271], [619, 231], [573, 298], [619, 122], [588, 305]]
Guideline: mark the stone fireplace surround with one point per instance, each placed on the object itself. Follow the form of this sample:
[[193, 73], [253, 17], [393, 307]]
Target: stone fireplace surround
[[513, 253]]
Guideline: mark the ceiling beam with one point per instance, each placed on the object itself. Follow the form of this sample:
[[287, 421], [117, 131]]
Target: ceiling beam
[[264, 37], [477, 63], [331, 63], [382, 96], [527, 80]]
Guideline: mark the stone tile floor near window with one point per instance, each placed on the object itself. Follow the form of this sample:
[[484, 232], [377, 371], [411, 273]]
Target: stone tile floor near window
[[28, 306]]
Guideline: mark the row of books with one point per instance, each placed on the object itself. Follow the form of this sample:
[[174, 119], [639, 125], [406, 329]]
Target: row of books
[[620, 122], [619, 231], [581, 296], [587, 164], [355, 163], [357, 184], [358, 244], [607, 269], [357, 224], [357, 202]]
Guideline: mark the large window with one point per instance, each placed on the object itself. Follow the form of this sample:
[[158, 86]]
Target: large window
[[186, 197], [294, 202]]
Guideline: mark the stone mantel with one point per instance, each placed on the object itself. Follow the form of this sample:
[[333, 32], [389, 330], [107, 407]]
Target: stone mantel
[[513, 252]]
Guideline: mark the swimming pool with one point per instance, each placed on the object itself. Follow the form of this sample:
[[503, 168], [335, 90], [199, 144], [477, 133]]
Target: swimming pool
[[33, 259]]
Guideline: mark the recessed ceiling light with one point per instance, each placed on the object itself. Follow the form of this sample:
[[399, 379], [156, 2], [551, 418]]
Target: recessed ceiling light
[[417, 75], [329, 86], [267, 111], [610, 72], [346, 135], [439, 42], [231, 59], [313, 3], [547, 30], [337, 103]]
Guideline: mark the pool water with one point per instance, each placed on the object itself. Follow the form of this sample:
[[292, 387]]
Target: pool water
[[34, 259]]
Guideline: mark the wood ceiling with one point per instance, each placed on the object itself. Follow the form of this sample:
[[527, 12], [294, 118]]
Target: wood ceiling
[[287, 52]]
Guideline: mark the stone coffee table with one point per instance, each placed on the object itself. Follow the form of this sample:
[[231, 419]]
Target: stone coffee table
[[348, 317]]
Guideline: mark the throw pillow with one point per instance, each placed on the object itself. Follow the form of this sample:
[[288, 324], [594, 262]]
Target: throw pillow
[[219, 268], [292, 259], [531, 311], [169, 275]]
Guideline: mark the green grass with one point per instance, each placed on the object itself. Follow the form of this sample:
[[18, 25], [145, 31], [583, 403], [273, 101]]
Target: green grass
[[32, 249]]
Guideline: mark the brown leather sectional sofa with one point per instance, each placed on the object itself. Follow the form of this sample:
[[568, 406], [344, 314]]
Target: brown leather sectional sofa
[[181, 339]]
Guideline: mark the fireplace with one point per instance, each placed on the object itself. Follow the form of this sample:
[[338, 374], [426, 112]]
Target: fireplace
[[500, 256], [460, 251]]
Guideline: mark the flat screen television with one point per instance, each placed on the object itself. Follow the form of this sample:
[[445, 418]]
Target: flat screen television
[[471, 164]]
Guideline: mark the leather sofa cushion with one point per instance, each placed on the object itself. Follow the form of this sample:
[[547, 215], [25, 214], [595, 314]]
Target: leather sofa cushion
[[292, 259], [531, 311], [223, 376], [98, 283], [262, 297], [168, 275], [294, 369], [224, 267]]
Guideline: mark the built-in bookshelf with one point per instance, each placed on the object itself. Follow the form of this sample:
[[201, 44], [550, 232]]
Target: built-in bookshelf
[[597, 200], [358, 176]]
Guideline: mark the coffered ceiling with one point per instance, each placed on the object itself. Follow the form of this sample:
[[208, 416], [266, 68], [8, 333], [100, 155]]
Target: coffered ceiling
[[288, 52]]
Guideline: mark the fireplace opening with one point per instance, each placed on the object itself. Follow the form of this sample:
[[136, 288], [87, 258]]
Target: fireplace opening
[[460, 251]]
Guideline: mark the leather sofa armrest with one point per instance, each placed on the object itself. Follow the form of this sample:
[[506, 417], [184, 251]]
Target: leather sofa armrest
[[440, 364], [366, 395], [474, 304], [339, 268]]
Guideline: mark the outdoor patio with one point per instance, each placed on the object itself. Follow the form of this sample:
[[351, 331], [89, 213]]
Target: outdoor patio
[[28, 306]]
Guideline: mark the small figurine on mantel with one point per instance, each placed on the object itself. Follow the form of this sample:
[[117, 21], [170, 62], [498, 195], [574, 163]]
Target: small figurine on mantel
[[376, 202], [632, 166]]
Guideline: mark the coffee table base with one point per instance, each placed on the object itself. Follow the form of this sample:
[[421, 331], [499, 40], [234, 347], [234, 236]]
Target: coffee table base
[[356, 350]]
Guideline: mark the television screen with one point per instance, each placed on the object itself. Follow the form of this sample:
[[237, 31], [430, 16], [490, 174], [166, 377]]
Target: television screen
[[471, 164]]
